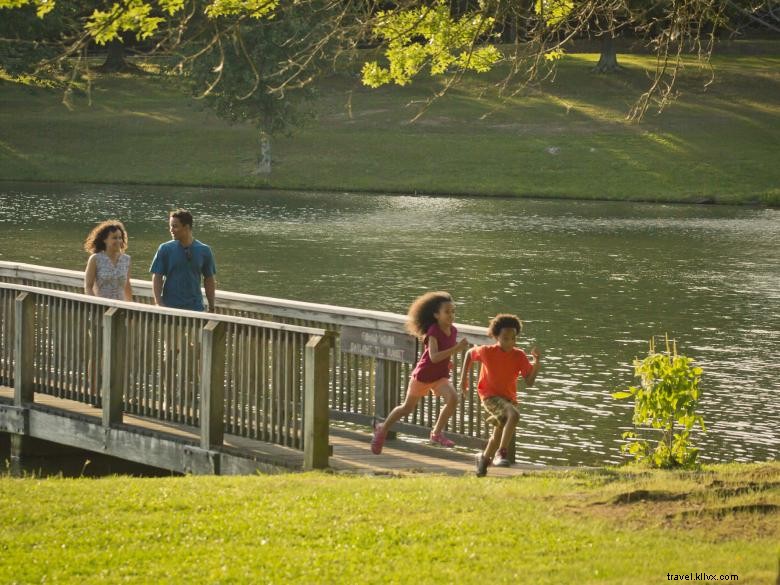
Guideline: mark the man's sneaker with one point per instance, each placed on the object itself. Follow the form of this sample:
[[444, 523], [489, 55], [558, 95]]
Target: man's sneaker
[[482, 463], [440, 439], [501, 459], [379, 439]]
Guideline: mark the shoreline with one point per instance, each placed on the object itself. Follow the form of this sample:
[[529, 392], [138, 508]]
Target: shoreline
[[703, 201], [568, 140]]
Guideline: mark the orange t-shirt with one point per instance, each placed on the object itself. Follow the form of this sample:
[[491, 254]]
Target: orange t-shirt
[[498, 375]]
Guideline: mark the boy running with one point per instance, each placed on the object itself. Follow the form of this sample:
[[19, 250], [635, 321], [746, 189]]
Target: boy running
[[502, 363]]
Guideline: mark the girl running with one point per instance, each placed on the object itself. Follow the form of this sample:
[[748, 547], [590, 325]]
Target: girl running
[[431, 319]]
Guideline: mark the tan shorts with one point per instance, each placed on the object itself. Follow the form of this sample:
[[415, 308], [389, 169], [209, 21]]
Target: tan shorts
[[418, 388], [496, 407]]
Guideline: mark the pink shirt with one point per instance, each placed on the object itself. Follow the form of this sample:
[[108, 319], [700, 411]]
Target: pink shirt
[[426, 370]]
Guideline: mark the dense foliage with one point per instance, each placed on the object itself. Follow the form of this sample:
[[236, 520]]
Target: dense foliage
[[444, 35], [249, 56], [665, 400]]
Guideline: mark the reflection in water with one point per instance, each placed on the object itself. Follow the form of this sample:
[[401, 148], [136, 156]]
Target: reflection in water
[[593, 282]]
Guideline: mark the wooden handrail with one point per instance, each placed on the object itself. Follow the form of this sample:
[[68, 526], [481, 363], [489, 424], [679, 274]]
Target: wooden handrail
[[326, 314], [143, 308]]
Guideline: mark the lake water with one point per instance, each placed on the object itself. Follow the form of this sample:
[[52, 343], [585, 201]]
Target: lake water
[[593, 281]]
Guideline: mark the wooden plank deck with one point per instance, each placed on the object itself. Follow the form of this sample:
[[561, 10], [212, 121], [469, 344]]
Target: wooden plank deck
[[351, 448]]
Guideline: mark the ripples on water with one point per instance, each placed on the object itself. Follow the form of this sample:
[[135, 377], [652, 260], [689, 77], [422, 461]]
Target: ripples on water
[[592, 281]]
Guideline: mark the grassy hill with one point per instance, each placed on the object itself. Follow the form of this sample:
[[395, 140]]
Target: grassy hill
[[606, 527], [563, 138]]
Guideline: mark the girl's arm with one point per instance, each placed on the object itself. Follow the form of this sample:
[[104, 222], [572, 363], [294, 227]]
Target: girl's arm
[[531, 377], [89, 276], [128, 287], [439, 356], [464, 372]]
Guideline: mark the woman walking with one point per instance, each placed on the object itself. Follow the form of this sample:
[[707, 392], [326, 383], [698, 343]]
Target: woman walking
[[108, 269]]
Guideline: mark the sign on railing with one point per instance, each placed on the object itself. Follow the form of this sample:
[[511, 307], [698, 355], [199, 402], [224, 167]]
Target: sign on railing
[[385, 345]]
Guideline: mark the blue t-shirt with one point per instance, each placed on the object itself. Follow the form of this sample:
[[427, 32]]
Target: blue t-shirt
[[182, 268]]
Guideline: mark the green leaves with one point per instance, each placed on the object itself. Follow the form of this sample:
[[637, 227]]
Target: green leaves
[[621, 395], [250, 8], [43, 7], [554, 12], [144, 18], [130, 15], [666, 399], [430, 36], [141, 17], [171, 7]]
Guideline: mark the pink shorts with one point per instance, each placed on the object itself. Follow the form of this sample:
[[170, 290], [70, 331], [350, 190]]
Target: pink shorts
[[418, 388]]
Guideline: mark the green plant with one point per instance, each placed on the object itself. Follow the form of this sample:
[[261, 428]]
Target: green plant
[[666, 399]]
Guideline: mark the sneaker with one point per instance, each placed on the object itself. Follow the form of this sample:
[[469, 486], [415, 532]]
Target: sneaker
[[501, 459], [378, 440], [440, 439], [482, 463]]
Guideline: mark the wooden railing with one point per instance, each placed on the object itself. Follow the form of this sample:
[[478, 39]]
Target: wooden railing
[[224, 374], [362, 387]]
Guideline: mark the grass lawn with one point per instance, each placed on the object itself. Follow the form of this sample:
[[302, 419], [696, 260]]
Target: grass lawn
[[565, 138], [612, 526]]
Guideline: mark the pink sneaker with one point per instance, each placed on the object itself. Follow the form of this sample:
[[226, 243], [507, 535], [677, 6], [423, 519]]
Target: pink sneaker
[[440, 439], [378, 440]]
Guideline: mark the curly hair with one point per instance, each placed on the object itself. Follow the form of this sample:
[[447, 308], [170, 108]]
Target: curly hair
[[96, 240], [503, 321], [422, 310]]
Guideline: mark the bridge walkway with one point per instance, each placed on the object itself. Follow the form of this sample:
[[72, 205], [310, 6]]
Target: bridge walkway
[[350, 447]]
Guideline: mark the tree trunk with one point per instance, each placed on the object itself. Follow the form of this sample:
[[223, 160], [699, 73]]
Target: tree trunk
[[608, 59], [264, 159], [115, 60]]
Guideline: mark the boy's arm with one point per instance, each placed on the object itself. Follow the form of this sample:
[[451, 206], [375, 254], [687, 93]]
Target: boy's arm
[[531, 377], [464, 372]]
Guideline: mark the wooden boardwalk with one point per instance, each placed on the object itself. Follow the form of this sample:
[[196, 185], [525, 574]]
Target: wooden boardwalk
[[351, 448], [264, 385]]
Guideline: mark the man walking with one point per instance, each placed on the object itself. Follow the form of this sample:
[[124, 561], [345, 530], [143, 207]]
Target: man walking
[[178, 266]]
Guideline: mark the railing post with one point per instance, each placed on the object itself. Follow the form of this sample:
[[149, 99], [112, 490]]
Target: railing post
[[316, 449], [382, 391], [24, 348], [113, 365], [212, 385]]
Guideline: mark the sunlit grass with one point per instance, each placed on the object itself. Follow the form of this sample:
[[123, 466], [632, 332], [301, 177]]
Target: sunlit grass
[[613, 526], [564, 138]]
